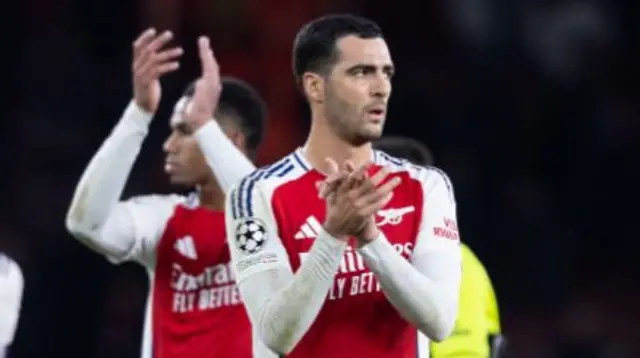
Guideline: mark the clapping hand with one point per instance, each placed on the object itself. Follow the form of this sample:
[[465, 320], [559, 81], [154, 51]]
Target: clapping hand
[[353, 197], [207, 88], [151, 60]]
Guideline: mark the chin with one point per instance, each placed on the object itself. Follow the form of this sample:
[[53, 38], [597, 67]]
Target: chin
[[371, 134], [364, 138]]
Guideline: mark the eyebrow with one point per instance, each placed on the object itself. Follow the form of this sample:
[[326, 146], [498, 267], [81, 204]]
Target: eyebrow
[[182, 128], [389, 69]]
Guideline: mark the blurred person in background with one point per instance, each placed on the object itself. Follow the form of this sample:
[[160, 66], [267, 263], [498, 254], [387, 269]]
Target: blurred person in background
[[382, 267], [193, 308], [11, 288], [477, 330]]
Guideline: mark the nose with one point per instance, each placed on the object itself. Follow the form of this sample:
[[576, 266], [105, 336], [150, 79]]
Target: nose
[[169, 145], [381, 86]]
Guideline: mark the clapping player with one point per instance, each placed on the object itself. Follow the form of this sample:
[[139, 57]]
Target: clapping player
[[194, 308], [370, 265]]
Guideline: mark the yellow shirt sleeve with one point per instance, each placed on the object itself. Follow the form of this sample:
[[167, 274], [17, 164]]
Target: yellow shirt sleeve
[[478, 318]]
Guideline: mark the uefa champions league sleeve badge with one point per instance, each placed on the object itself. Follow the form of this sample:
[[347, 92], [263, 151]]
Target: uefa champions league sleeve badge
[[251, 235]]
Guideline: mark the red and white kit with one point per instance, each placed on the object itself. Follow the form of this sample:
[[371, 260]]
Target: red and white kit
[[311, 295], [194, 307]]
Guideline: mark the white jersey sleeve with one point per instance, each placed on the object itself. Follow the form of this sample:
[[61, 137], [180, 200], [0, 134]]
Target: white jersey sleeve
[[134, 228], [425, 290], [226, 161], [11, 288], [97, 218], [281, 305]]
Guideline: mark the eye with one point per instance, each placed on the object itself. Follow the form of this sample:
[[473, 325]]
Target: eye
[[358, 72], [182, 129], [389, 72]]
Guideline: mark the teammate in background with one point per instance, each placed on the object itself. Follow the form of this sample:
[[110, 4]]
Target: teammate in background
[[357, 263], [11, 288], [194, 308], [477, 329]]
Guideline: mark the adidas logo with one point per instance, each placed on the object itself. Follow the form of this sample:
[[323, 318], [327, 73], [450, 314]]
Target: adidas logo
[[186, 247], [309, 230]]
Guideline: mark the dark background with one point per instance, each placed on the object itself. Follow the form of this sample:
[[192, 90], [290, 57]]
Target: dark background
[[530, 106]]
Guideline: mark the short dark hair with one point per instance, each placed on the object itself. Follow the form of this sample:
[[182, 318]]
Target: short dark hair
[[406, 148], [314, 48], [242, 103]]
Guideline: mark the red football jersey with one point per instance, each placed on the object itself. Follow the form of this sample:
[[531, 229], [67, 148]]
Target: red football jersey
[[356, 320], [194, 307], [197, 310]]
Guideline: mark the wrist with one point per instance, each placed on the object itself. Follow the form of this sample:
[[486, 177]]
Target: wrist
[[196, 124], [333, 232], [370, 233], [136, 114], [142, 106]]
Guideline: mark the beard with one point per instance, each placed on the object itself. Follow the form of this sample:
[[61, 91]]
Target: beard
[[346, 120]]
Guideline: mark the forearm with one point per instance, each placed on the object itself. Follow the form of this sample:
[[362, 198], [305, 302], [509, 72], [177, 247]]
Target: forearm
[[285, 315], [226, 161], [103, 181], [419, 299]]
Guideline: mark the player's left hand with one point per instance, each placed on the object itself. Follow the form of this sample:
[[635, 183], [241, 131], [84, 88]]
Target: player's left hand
[[207, 88], [367, 193]]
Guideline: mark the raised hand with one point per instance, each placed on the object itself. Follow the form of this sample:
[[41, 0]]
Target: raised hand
[[207, 88], [151, 60], [353, 202]]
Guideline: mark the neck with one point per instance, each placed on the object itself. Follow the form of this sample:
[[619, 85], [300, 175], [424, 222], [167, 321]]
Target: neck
[[323, 143], [211, 195]]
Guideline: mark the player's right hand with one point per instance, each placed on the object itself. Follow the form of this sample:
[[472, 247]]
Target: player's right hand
[[207, 88], [151, 60], [352, 205]]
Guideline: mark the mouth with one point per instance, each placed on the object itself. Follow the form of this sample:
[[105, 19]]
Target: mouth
[[376, 113], [169, 167]]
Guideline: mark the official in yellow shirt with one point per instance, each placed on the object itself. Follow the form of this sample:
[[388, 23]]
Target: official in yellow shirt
[[477, 330]]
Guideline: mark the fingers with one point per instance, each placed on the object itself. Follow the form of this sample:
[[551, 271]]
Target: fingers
[[368, 185], [159, 42], [165, 68], [159, 64], [145, 48], [210, 67], [335, 177], [169, 55], [349, 166], [375, 206], [380, 175], [354, 178], [150, 63], [208, 87], [376, 200], [142, 40], [332, 166]]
